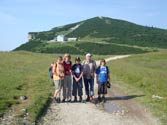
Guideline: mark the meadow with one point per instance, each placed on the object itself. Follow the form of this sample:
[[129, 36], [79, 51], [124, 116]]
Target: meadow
[[144, 74], [26, 73]]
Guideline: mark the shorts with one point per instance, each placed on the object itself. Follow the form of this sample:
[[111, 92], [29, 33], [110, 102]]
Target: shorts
[[58, 84], [102, 88]]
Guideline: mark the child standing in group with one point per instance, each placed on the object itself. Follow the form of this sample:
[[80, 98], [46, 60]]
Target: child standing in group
[[102, 77], [77, 73], [67, 80], [58, 77]]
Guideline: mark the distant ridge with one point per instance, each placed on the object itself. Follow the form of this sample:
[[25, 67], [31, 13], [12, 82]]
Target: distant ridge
[[102, 29]]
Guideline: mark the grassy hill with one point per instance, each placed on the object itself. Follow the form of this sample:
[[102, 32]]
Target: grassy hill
[[146, 75], [104, 29]]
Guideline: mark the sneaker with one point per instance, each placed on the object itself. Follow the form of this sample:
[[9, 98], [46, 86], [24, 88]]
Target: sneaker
[[99, 98], [80, 99]]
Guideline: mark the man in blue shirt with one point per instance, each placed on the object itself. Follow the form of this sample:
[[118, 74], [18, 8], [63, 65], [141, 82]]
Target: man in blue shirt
[[102, 77]]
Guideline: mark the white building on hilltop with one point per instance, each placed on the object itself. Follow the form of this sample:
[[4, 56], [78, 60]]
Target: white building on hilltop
[[61, 38], [72, 39]]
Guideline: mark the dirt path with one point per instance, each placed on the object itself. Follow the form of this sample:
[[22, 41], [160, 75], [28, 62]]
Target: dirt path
[[120, 109]]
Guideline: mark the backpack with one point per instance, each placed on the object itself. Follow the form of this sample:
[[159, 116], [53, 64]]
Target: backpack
[[50, 72]]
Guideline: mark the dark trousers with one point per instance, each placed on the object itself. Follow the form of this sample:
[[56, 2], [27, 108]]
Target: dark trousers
[[102, 88], [77, 87], [89, 86]]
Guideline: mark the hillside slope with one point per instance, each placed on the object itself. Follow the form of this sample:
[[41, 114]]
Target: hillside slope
[[104, 29]]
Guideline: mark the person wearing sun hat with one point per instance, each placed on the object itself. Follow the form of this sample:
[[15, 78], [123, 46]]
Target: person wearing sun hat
[[89, 69]]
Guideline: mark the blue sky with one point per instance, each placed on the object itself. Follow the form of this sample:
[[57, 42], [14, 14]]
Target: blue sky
[[18, 17]]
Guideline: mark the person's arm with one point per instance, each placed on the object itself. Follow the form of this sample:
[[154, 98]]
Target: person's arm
[[71, 65], [109, 77], [80, 76], [97, 78], [95, 66], [54, 68], [60, 72], [97, 75], [72, 70], [81, 69], [108, 72]]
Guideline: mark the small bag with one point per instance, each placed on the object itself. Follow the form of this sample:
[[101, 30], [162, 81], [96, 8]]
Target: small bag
[[108, 84]]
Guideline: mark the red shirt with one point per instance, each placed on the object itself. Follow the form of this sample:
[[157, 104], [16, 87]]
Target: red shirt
[[67, 67]]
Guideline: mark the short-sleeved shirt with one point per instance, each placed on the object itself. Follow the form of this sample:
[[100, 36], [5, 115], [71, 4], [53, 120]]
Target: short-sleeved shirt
[[67, 67], [77, 70], [57, 70], [89, 69], [102, 72]]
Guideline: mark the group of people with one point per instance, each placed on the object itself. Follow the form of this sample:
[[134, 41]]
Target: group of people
[[69, 78]]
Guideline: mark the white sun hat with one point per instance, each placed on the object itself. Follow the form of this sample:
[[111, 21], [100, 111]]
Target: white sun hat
[[88, 54]]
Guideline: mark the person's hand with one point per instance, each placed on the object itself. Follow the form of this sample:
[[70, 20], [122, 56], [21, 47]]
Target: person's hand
[[76, 79], [61, 75]]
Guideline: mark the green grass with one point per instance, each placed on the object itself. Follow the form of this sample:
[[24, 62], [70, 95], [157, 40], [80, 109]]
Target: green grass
[[144, 74], [26, 73], [23, 73]]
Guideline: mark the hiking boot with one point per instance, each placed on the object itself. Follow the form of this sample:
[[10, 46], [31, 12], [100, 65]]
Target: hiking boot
[[91, 99], [80, 99], [63, 100], [104, 99], [99, 99], [75, 99], [58, 100], [88, 99], [55, 99]]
